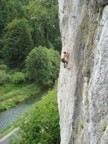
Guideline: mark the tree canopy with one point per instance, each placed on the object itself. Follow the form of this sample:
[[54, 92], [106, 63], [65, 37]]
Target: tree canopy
[[17, 42], [26, 24], [42, 65]]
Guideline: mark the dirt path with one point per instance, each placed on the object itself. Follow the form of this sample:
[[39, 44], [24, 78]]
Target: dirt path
[[5, 139]]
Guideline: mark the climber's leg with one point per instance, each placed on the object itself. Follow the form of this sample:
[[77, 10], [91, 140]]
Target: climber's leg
[[65, 64]]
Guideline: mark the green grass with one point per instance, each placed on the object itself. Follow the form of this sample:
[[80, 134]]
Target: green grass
[[41, 122], [6, 131], [47, 108], [11, 94]]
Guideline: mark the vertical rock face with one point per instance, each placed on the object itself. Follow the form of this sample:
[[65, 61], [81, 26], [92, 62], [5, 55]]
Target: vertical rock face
[[83, 85], [102, 2]]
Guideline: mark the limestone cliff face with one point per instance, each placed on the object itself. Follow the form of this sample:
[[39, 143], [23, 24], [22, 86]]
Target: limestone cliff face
[[83, 85]]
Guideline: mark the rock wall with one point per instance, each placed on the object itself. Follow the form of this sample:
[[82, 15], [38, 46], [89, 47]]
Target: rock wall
[[83, 85]]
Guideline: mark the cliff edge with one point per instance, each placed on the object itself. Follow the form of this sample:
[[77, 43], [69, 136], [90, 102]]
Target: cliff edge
[[83, 85]]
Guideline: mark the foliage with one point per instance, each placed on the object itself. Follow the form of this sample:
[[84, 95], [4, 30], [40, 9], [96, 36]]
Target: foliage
[[18, 77], [3, 77], [17, 42], [41, 124], [3, 67], [5, 131], [57, 43], [42, 65], [16, 37], [15, 9], [3, 15], [44, 17], [12, 94], [9, 10]]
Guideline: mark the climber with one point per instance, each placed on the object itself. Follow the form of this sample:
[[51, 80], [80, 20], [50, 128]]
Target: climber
[[64, 57]]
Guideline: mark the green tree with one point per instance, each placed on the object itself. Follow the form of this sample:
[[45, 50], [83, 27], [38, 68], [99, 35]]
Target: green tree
[[9, 10], [44, 17], [42, 65], [41, 124], [3, 15], [17, 42], [3, 20]]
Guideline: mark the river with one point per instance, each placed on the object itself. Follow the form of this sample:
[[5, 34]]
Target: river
[[9, 116]]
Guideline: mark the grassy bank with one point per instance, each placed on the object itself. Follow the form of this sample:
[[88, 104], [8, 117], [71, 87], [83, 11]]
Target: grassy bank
[[43, 113], [12, 94], [40, 125]]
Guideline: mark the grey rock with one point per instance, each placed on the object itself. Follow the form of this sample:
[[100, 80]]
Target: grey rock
[[83, 86], [102, 2]]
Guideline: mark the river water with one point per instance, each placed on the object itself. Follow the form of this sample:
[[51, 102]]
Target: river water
[[9, 116]]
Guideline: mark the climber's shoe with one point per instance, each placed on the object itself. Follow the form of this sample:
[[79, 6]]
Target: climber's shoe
[[65, 66]]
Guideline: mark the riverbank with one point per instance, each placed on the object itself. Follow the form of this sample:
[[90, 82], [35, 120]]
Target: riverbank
[[6, 139], [42, 113], [12, 94], [14, 102], [11, 117]]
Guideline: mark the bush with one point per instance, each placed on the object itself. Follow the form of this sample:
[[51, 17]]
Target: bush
[[3, 67], [9, 78], [3, 77], [18, 77], [41, 124], [42, 65]]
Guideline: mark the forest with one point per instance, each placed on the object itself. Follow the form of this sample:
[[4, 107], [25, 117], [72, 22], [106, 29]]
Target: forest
[[30, 46]]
